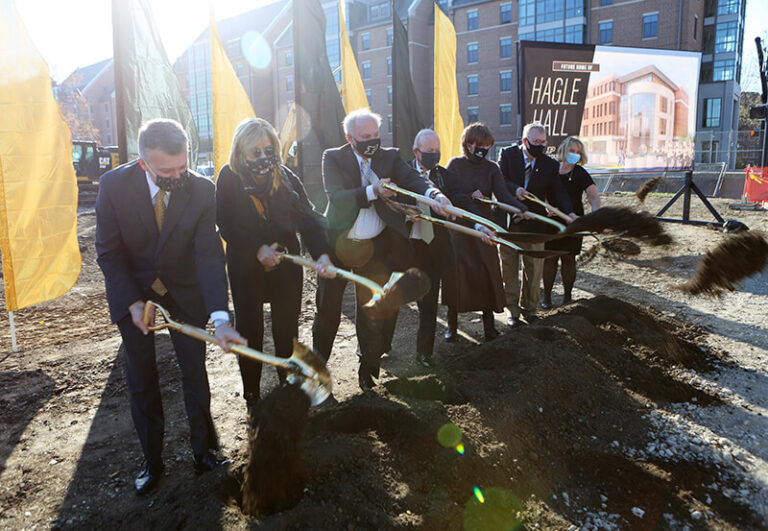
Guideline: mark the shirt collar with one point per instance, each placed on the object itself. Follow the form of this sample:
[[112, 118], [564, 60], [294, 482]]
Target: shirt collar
[[360, 159], [153, 188]]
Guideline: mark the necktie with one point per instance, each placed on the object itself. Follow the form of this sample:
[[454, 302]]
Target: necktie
[[528, 172], [427, 231], [159, 207], [368, 176]]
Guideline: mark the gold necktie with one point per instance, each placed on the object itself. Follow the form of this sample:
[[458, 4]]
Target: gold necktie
[[157, 285]]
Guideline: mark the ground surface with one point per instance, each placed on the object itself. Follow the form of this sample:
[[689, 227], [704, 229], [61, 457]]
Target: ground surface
[[636, 407]]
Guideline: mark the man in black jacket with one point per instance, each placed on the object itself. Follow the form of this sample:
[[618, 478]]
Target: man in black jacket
[[527, 168], [156, 239], [364, 234]]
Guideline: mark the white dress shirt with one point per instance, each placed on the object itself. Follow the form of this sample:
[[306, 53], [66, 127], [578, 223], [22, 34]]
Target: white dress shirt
[[368, 224], [220, 315]]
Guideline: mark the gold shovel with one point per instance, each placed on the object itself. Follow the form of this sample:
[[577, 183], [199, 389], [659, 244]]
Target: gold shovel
[[304, 367]]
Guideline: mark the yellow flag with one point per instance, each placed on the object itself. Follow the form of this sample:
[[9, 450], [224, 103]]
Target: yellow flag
[[352, 88], [38, 187], [288, 132], [230, 103], [448, 122]]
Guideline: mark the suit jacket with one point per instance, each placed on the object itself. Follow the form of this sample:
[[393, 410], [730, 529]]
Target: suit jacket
[[545, 183], [346, 194], [186, 254]]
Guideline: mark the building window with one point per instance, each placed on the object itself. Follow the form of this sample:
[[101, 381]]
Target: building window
[[365, 41], [606, 2], [472, 114], [711, 112], [528, 36], [526, 12], [389, 123], [288, 58], [239, 69], [385, 9], [605, 35], [574, 34], [389, 66], [289, 83], [472, 52], [505, 114], [505, 81], [389, 95], [505, 47], [727, 7], [650, 26], [505, 13], [550, 35], [695, 26], [369, 96], [725, 37], [472, 22], [472, 85], [723, 70], [365, 70], [389, 36], [549, 11], [574, 8]]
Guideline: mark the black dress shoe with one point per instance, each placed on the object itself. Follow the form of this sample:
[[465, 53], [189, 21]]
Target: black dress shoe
[[365, 382], [451, 336], [491, 334], [207, 462], [546, 305], [514, 322], [425, 360], [531, 318], [148, 478]]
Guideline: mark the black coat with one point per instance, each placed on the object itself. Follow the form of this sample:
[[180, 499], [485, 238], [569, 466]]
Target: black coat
[[186, 254], [347, 195], [545, 183]]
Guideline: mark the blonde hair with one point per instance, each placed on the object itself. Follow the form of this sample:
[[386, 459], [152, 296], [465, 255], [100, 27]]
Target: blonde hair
[[565, 146], [250, 132]]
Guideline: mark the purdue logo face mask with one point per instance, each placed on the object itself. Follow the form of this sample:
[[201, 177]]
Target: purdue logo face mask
[[367, 148], [480, 152]]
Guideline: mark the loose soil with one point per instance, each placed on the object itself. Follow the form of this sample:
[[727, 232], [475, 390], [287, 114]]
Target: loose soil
[[636, 407]]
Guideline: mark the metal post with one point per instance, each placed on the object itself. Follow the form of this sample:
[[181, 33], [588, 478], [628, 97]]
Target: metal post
[[14, 347]]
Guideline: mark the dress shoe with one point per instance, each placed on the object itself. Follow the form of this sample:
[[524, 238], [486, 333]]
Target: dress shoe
[[567, 299], [148, 478], [546, 305], [365, 382], [491, 334], [530, 318], [514, 322], [207, 462], [451, 336], [425, 360]]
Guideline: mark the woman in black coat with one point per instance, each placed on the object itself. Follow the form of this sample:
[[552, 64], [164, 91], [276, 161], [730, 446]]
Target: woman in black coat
[[260, 207]]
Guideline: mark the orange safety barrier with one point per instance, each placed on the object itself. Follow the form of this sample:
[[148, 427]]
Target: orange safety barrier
[[756, 184]]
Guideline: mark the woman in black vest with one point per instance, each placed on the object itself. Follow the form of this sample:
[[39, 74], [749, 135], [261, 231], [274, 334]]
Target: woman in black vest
[[260, 207]]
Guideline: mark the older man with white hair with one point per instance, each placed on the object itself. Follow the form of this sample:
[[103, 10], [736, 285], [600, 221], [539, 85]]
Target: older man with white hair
[[364, 234]]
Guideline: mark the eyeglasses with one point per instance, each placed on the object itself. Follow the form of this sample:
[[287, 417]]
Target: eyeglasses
[[268, 152]]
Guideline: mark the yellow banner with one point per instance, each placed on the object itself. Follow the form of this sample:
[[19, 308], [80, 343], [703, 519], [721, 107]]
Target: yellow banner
[[38, 187], [352, 88], [230, 103], [448, 122], [288, 132]]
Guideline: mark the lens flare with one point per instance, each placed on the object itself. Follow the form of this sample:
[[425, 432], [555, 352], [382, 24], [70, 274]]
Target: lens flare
[[449, 435], [479, 495], [496, 508], [256, 49], [460, 448]]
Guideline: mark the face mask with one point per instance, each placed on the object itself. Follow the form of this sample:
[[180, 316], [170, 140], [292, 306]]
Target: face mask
[[429, 160], [534, 150], [572, 158], [480, 152], [262, 165], [367, 148]]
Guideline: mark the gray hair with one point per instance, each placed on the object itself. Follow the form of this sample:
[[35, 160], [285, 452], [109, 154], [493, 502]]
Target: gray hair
[[534, 126], [421, 134], [352, 118], [166, 135]]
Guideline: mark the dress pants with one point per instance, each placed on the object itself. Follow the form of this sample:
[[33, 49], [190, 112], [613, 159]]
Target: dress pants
[[521, 298], [374, 336], [422, 259], [281, 287], [144, 387]]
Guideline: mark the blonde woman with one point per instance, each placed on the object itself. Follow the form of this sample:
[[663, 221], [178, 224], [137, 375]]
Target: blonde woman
[[260, 203], [576, 181]]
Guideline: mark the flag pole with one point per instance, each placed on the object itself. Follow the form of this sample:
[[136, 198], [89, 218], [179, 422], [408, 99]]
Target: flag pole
[[117, 59], [14, 347]]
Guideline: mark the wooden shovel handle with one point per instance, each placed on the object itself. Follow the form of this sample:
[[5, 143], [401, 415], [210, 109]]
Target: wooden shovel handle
[[556, 211], [343, 273], [468, 231], [509, 208]]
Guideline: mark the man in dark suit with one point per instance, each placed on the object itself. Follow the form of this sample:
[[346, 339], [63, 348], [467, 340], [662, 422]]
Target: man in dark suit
[[527, 168], [432, 250], [156, 239], [364, 234]]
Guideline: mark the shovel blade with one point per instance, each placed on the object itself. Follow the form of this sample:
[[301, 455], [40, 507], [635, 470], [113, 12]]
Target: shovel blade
[[311, 373], [400, 289]]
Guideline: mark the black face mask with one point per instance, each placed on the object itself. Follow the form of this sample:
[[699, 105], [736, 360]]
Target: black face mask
[[367, 148], [429, 160], [170, 184], [262, 165], [480, 153], [534, 150]]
